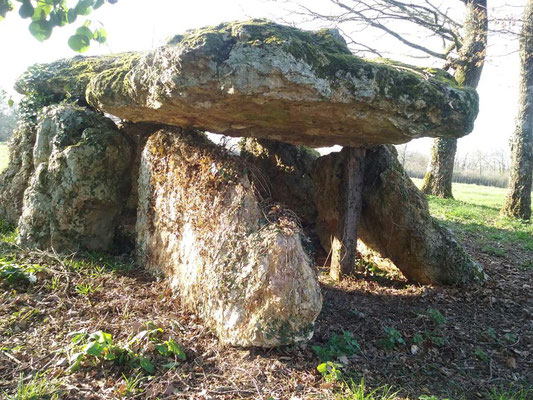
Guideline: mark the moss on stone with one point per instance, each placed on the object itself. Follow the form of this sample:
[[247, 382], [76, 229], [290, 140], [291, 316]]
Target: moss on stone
[[328, 55], [68, 78]]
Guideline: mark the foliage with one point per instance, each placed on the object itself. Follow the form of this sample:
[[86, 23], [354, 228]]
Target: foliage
[[330, 371], [8, 118], [38, 388], [338, 346], [100, 346], [476, 211], [510, 394], [15, 274], [392, 339], [358, 391], [130, 387], [45, 15]]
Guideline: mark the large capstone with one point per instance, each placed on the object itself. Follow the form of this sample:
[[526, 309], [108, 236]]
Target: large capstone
[[78, 187], [266, 80], [241, 267]]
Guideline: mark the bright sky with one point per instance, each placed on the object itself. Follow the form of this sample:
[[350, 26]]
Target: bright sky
[[142, 25]]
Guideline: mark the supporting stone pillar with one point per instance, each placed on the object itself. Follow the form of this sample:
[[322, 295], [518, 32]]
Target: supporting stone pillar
[[339, 199]]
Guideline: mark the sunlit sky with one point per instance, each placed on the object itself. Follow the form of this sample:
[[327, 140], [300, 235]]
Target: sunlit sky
[[143, 25]]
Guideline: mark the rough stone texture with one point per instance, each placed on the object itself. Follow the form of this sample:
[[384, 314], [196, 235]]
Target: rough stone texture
[[289, 181], [78, 188], [395, 218], [269, 81], [396, 223], [14, 180], [244, 271], [137, 135]]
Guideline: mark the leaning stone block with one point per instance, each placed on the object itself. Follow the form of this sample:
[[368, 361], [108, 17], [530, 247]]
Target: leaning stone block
[[238, 266], [395, 218]]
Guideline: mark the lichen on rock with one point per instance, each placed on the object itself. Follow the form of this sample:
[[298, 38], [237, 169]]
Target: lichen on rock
[[76, 192], [242, 268], [395, 219], [269, 81]]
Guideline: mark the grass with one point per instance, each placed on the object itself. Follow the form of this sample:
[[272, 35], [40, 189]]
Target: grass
[[4, 156], [391, 340], [475, 213], [35, 388]]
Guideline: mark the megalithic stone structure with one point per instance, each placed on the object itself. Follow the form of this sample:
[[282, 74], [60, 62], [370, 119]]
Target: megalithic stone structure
[[255, 79]]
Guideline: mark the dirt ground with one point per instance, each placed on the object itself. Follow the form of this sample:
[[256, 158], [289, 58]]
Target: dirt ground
[[454, 342]]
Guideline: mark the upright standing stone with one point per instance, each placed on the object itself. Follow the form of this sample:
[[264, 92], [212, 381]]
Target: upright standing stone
[[344, 229], [79, 185], [242, 268]]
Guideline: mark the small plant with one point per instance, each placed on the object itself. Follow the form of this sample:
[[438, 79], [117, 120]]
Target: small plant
[[130, 387], [490, 333], [437, 318], [99, 346], [39, 387], [436, 340], [392, 339], [510, 394], [358, 391], [493, 251], [17, 274], [338, 346], [510, 338], [429, 397], [330, 371], [86, 288], [418, 338], [480, 353], [526, 265]]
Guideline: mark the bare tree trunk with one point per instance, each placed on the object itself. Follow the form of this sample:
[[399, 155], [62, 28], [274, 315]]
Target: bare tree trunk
[[518, 201], [438, 178]]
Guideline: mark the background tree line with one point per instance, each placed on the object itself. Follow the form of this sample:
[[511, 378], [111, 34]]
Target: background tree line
[[8, 116]]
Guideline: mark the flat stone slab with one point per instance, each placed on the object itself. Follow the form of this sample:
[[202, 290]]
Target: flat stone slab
[[266, 80]]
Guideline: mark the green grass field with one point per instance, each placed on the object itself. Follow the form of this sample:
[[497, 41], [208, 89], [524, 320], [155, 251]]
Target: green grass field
[[475, 212], [4, 156]]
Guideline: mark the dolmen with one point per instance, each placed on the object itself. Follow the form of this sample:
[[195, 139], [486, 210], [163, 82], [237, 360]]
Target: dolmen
[[229, 229]]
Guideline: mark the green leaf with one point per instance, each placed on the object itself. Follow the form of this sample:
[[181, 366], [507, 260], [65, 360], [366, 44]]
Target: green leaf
[[147, 365], [41, 30], [84, 7], [5, 7], [100, 35], [26, 9], [162, 349], [94, 349], [10, 103], [171, 365], [58, 18], [78, 337], [98, 4], [175, 348], [84, 31], [71, 15], [322, 368], [79, 43]]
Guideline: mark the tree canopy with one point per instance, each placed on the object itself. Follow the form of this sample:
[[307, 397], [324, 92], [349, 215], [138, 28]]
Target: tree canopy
[[46, 15]]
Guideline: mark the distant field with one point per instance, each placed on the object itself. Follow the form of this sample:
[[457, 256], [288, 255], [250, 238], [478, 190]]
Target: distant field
[[4, 156], [476, 212], [488, 196]]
